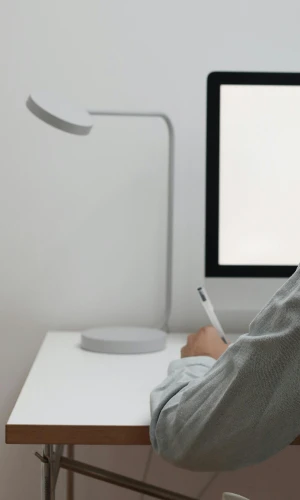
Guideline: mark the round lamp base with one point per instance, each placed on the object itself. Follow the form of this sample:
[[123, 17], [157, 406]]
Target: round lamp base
[[123, 340]]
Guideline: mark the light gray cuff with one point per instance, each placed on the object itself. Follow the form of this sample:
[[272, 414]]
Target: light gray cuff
[[203, 361]]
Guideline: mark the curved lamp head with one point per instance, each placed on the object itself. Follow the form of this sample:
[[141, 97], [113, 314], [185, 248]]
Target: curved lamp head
[[59, 113]]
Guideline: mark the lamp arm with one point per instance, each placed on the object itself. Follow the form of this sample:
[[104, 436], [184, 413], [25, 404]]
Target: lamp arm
[[170, 224]]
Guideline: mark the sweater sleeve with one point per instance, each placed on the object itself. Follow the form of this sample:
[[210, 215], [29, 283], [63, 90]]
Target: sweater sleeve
[[244, 407]]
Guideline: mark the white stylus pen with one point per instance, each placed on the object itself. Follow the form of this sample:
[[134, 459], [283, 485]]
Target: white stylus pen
[[211, 313]]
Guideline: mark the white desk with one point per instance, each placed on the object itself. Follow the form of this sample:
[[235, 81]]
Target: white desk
[[73, 397]]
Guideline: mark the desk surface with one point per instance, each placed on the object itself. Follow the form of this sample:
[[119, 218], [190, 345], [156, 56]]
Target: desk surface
[[73, 396]]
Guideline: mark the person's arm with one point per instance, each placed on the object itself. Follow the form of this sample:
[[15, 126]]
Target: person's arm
[[166, 398], [242, 408]]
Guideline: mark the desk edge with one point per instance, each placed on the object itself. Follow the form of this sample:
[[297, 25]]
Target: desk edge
[[82, 434], [77, 434]]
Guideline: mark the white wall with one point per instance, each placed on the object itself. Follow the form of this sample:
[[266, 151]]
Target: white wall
[[54, 219]]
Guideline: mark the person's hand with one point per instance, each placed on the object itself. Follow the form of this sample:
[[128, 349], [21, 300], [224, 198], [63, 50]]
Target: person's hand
[[206, 342]]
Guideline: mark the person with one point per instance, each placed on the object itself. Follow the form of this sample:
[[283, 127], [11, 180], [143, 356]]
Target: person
[[221, 407]]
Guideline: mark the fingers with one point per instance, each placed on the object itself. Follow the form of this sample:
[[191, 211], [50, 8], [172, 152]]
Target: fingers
[[183, 352], [190, 338]]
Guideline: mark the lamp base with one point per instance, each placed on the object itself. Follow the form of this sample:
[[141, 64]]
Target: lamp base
[[123, 340]]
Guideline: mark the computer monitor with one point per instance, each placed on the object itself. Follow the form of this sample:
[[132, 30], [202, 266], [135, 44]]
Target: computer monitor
[[252, 235]]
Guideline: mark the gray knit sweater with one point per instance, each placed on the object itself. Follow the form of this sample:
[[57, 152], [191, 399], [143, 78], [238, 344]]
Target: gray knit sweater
[[241, 409]]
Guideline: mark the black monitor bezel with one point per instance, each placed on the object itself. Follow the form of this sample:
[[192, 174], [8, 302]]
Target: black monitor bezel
[[214, 82]]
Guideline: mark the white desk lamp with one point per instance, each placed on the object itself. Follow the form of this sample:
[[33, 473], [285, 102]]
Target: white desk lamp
[[118, 340]]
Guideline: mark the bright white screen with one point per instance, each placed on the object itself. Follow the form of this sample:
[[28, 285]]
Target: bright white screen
[[259, 211]]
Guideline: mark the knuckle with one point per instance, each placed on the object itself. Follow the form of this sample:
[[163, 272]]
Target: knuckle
[[205, 329]]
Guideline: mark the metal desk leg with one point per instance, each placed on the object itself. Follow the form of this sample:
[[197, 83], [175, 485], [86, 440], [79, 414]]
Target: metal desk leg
[[50, 469], [70, 474], [46, 474], [53, 461]]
